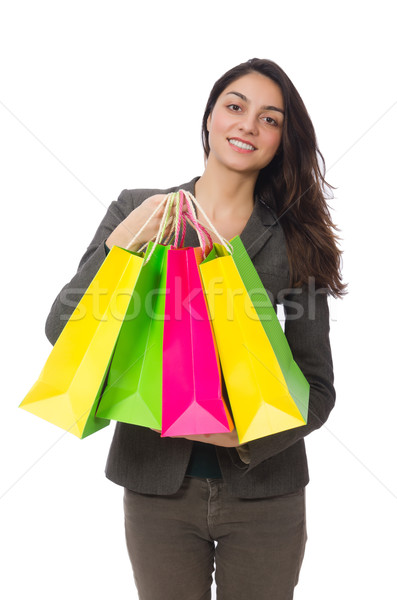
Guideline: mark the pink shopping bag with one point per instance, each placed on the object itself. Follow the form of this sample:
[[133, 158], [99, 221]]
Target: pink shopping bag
[[192, 390]]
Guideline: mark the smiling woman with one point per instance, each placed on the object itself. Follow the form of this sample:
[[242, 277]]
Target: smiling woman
[[247, 126], [292, 183], [194, 501]]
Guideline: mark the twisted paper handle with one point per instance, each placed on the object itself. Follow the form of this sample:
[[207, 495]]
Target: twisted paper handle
[[133, 240], [170, 200], [192, 201], [179, 200], [205, 239], [179, 220]]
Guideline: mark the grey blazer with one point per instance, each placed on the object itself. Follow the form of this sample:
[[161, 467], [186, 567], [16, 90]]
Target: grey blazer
[[139, 458]]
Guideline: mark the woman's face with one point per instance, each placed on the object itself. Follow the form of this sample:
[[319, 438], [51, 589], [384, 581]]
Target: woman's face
[[246, 123]]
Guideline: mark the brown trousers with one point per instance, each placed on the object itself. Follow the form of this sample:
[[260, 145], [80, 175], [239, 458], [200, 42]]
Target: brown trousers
[[257, 545]]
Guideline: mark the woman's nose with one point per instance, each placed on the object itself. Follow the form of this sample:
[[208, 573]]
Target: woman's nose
[[249, 124]]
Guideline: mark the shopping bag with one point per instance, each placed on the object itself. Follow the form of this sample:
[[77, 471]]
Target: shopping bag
[[68, 388], [133, 389], [267, 391], [192, 391]]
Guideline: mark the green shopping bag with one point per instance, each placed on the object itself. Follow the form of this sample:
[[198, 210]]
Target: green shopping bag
[[133, 390]]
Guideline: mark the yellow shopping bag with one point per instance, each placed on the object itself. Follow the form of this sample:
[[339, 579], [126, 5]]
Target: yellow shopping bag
[[267, 391], [69, 386]]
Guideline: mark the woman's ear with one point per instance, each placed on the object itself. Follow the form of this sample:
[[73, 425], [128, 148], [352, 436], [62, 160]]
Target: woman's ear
[[209, 122]]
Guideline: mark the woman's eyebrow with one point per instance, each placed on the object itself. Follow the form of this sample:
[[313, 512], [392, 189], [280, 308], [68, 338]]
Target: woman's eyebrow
[[262, 107]]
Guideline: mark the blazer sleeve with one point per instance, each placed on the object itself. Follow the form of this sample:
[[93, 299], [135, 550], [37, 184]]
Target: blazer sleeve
[[307, 331], [72, 292]]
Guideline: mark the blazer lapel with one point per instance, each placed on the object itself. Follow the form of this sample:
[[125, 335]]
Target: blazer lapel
[[258, 229]]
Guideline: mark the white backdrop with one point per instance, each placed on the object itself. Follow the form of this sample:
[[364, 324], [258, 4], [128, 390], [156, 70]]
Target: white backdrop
[[100, 96]]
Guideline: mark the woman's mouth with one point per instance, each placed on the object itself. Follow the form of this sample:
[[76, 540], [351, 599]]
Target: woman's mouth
[[241, 146]]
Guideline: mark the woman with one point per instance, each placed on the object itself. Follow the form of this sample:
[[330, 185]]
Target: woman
[[192, 501]]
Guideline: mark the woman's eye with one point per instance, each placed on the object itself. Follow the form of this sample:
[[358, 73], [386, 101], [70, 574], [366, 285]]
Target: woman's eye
[[270, 121], [234, 107]]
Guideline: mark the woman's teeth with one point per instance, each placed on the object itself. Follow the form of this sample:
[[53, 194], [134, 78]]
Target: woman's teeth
[[241, 145]]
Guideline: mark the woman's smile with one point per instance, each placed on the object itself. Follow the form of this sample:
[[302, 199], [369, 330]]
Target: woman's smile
[[240, 146]]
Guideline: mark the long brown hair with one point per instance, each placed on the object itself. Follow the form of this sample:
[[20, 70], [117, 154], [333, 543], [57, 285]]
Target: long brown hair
[[293, 184]]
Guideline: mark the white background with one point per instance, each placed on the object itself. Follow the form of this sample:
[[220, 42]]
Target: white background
[[100, 96]]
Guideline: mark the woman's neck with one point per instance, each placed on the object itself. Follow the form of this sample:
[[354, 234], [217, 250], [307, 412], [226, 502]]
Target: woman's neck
[[222, 192]]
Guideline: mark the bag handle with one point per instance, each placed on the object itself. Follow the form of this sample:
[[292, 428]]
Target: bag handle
[[179, 200], [133, 240], [189, 216], [192, 201]]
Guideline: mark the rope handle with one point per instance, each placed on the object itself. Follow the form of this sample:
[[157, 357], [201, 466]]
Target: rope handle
[[224, 242], [179, 220], [178, 200], [135, 237], [205, 239]]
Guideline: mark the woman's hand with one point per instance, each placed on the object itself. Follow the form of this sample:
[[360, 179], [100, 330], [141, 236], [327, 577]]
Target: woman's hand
[[127, 229], [227, 440]]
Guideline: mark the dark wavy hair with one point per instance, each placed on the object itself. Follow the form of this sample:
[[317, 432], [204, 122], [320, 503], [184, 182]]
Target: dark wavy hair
[[293, 184]]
